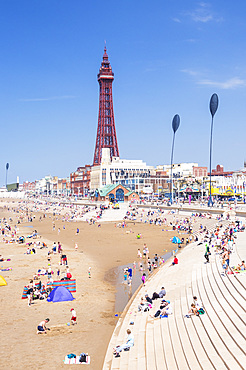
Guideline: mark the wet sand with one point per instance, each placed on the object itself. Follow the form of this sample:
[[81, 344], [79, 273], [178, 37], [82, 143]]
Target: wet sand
[[102, 248]]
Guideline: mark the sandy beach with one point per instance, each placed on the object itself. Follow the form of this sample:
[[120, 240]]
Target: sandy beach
[[101, 248]]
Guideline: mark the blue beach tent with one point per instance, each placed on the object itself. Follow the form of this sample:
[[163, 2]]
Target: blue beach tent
[[60, 294], [176, 240]]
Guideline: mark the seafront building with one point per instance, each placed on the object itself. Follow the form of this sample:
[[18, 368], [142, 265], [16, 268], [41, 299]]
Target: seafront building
[[179, 169], [134, 174], [80, 181], [48, 185]]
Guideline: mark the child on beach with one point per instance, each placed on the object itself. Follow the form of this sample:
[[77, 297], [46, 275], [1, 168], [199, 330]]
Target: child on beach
[[74, 316], [41, 329], [139, 254], [125, 276]]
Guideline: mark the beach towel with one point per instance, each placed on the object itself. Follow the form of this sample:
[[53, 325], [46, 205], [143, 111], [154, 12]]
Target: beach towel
[[75, 361], [8, 269]]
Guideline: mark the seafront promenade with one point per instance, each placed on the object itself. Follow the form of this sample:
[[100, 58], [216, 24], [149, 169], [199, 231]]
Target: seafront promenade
[[215, 340]]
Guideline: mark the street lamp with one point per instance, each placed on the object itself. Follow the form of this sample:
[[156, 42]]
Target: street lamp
[[7, 167], [214, 101], [175, 126]]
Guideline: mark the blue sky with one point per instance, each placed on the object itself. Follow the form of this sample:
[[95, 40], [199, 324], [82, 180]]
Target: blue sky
[[168, 57]]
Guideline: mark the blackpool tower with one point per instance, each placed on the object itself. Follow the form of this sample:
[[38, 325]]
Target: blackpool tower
[[106, 133]]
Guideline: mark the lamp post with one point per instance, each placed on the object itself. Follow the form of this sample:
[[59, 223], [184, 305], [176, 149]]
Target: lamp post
[[7, 167], [214, 101], [175, 126]]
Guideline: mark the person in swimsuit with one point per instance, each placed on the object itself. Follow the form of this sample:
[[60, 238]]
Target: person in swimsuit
[[41, 329]]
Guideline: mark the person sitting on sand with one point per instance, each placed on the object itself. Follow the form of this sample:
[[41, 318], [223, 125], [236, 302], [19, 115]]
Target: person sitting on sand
[[129, 343], [37, 294], [41, 329]]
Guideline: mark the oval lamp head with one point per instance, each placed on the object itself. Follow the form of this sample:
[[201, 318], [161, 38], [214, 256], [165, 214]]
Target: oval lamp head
[[214, 102], [7, 166], [176, 122]]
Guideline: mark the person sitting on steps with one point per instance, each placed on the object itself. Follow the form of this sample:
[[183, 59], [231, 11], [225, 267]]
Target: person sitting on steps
[[126, 347]]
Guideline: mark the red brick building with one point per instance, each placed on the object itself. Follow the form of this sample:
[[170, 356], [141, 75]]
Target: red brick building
[[80, 181], [159, 181], [200, 171], [219, 171], [29, 186]]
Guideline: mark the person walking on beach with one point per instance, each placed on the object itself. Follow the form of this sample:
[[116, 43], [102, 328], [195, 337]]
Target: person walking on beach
[[139, 253], [77, 232], [29, 294], [156, 258]]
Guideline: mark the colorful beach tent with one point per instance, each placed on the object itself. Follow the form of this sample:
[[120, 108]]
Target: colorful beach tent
[[60, 294], [2, 281], [176, 240]]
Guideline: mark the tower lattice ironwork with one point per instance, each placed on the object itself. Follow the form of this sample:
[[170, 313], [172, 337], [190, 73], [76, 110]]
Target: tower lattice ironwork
[[106, 133]]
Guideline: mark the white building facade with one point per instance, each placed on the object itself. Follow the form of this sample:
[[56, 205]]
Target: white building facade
[[134, 174], [179, 169]]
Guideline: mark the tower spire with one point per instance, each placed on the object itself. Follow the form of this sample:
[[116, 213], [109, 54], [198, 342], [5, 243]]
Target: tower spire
[[106, 133]]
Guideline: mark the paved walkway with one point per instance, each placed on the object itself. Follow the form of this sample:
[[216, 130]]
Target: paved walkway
[[215, 340], [108, 215]]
